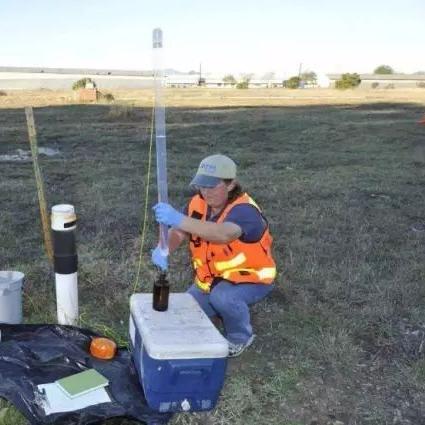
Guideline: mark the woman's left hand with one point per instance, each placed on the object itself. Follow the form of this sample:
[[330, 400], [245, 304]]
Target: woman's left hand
[[159, 258]]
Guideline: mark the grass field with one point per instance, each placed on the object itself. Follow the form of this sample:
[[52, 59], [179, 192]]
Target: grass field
[[341, 177]]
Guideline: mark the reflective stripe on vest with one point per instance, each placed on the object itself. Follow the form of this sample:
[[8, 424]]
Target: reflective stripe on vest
[[263, 274], [196, 263], [230, 264], [204, 286]]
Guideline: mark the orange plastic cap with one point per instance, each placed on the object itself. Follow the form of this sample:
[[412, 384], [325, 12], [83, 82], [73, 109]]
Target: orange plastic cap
[[103, 348]]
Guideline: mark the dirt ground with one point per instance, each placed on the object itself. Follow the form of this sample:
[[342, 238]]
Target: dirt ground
[[341, 178]]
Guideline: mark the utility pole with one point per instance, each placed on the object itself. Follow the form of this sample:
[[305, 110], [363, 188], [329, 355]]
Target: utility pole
[[201, 81], [301, 83]]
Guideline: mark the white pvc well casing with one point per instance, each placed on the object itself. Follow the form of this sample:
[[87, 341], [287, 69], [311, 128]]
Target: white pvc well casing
[[67, 298], [62, 216], [63, 221]]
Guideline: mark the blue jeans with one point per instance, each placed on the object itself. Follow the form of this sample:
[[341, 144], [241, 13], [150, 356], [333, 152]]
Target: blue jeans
[[231, 303]]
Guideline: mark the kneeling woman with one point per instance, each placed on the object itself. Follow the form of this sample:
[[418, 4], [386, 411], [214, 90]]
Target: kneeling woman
[[230, 244]]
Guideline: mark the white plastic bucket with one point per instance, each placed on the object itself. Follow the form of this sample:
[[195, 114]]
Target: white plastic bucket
[[11, 297]]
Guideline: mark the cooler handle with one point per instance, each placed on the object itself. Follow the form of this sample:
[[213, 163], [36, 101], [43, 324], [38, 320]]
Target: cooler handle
[[193, 369]]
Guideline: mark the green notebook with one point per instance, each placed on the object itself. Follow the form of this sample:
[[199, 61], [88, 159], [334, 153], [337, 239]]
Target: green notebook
[[82, 383]]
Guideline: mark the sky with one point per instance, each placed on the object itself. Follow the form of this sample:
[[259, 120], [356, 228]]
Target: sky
[[226, 36]]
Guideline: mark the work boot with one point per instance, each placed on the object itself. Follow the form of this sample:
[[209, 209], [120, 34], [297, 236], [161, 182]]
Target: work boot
[[237, 349]]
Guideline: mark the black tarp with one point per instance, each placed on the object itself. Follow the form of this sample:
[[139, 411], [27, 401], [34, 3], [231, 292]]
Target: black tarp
[[37, 354]]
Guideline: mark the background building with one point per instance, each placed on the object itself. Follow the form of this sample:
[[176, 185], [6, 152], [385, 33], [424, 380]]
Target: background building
[[385, 80]]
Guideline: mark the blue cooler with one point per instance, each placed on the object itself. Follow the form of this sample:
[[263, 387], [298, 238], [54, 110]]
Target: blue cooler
[[180, 356]]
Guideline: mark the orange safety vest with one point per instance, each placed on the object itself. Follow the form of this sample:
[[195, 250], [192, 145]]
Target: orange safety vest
[[237, 261]]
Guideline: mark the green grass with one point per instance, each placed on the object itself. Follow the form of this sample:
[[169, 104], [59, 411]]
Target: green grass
[[9, 415], [341, 186]]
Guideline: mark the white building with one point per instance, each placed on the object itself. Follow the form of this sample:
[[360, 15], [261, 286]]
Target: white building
[[386, 81], [192, 80]]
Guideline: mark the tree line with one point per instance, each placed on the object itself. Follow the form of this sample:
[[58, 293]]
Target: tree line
[[309, 79]]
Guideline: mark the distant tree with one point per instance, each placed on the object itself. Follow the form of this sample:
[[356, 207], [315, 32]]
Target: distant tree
[[229, 78], [243, 84], [309, 77], [348, 81], [192, 72], [384, 70], [292, 83], [107, 97], [81, 84], [268, 76], [247, 77], [419, 73]]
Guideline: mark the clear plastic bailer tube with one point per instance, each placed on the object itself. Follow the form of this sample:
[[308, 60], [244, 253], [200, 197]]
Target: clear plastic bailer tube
[[160, 137]]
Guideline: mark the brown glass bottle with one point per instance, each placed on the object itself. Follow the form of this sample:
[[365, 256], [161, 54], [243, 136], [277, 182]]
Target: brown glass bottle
[[161, 291]]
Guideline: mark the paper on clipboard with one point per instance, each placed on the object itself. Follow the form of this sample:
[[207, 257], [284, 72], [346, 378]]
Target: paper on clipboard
[[54, 400]]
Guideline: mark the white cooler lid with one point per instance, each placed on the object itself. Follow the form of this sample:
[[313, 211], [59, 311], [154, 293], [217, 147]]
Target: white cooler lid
[[184, 331]]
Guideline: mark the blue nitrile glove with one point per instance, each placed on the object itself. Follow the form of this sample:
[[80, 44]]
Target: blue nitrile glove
[[159, 258], [166, 214]]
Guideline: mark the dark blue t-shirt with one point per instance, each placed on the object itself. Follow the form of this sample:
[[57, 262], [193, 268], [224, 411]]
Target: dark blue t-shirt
[[248, 218]]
